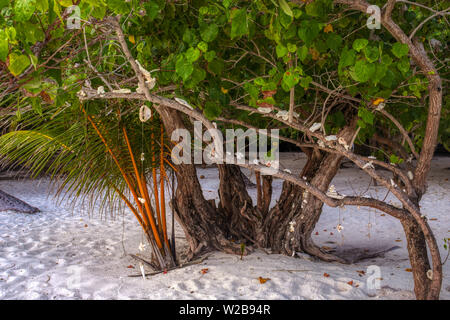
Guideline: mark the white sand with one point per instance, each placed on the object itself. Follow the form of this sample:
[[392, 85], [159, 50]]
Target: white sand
[[64, 254]]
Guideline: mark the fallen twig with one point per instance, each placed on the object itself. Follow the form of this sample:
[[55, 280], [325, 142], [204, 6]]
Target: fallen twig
[[170, 269]]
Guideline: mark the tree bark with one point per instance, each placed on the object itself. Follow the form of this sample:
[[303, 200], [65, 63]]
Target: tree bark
[[290, 224], [418, 256], [9, 202], [205, 227]]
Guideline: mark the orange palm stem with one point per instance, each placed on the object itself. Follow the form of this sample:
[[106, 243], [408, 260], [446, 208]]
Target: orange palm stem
[[155, 182], [162, 174], [122, 171], [143, 190]]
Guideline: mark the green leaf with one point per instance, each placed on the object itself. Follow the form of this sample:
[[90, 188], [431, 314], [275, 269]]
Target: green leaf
[[334, 41], [192, 54], [291, 47], [18, 63], [363, 71], [305, 81], [303, 53], [227, 3], [152, 8], [281, 50], [4, 3], [308, 31], [65, 3], [285, 20], [34, 85], [203, 46], [399, 49], [403, 65], [290, 79], [209, 32], [11, 33], [189, 37], [216, 66], [371, 53], [285, 7], [4, 49], [42, 5], [316, 8], [361, 124], [24, 9], [394, 159], [197, 76], [210, 55], [360, 44], [212, 110], [184, 67], [239, 23], [347, 59], [118, 6], [366, 115], [33, 60], [252, 90], [380, 72]]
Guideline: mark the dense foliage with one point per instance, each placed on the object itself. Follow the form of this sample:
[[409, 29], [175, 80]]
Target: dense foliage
[[303, 62]]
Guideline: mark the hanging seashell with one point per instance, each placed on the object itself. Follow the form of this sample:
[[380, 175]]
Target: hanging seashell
[[264, 110], [316, 126], [142, 156], [283, 114], [87, 84], [339, 227], [101, 90], [122, 91], [139, 89], [150, 83], [320, 143], [381, 106], [145, 113], [141, 200], [332, 193], [343, 143], [410, 158], [410, 175], [184, 103], [368, 165]]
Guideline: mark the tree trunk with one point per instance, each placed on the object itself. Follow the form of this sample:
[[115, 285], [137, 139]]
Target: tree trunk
[[289, 225], [244, 220], [418, 256], [291, 222], [205, 227], [9, 202]]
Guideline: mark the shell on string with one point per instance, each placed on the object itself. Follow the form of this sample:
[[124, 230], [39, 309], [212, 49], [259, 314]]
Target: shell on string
[[145, 113], [184, 103], [316, 126]]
